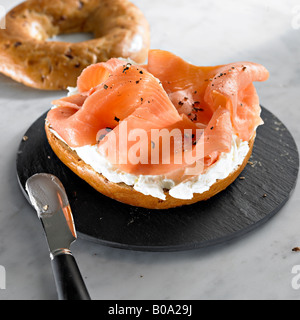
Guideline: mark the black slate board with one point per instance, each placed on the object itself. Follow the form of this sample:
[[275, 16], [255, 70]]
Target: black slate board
[[243, 206]]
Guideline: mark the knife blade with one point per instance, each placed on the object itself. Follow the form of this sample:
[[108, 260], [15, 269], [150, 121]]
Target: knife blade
[[49, 198]]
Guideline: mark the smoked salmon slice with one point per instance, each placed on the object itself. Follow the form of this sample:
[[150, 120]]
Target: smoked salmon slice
[[217, 136], [120, 105], [113, 101], [75, 101], [199, 91], [96, 74]]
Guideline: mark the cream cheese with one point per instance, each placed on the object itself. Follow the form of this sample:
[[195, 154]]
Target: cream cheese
[[155, 185]]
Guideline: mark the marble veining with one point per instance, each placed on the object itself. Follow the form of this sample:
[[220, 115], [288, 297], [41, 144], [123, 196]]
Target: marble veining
[[256, 266]]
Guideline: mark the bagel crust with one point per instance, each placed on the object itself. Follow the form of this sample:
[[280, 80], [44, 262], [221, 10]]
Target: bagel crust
[[119, 27], [127, 194]]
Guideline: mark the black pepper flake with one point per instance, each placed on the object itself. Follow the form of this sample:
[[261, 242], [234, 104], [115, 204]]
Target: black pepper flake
[[232, 68], [142, 99], [212, 85], [77, 65], [211, 128], [195, 109], [195, 92], [117, 119], [180, 103], [137, 82], [105, 87], [141, 72], [128, 65]]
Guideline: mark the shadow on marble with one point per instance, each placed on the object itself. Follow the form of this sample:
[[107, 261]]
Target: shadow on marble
[[11, 89]]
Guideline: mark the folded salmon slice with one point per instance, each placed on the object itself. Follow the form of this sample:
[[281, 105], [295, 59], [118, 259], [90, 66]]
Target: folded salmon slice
[[96, 74], [200, 91], [166, 94], [75, 101], [124, 92], [175, 160]]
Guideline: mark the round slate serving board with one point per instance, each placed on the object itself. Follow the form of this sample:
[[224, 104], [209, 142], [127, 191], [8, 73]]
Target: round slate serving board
[[269, 179]]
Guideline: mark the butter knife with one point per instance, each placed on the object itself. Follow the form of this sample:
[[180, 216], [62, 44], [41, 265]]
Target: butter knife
[[49, 198]]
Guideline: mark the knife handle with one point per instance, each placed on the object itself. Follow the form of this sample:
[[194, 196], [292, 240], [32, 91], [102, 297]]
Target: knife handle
[[68, 279]]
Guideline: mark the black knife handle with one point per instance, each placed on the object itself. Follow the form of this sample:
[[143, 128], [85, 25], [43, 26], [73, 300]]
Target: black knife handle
[[68, 279]]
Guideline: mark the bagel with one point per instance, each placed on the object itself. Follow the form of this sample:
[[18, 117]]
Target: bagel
[[159, 136], [119, 27], [127, 194]]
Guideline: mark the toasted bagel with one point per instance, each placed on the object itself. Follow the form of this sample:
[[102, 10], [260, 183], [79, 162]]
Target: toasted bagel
[[119, 27]]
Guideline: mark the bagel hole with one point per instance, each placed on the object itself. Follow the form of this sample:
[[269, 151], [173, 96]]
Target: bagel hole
[[73, 37]]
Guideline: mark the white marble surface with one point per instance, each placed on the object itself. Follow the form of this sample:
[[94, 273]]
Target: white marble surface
[[256, 266]]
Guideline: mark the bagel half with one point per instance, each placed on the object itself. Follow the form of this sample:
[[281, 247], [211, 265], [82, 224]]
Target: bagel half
[[119, 27], [127, 194]]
